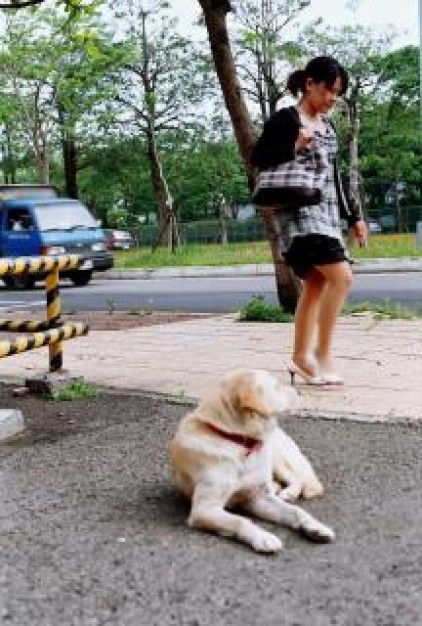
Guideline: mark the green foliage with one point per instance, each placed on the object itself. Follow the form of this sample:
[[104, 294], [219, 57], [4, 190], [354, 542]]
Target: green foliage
[[76, 390], [76, 67], [55, 74], [117, 218], [398, 71], [114, 173], [259, 310], [387, 309], [264, 51], [390, 142], [197, 170]]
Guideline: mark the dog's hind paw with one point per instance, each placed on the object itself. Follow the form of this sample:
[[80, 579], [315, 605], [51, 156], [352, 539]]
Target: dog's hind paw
[[312, 489], [265, 542]]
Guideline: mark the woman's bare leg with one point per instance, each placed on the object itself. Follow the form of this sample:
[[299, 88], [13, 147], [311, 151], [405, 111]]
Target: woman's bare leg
[[306, 319], [338, 281]]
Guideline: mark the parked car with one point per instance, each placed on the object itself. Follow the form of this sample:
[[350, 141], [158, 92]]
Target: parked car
[[118, 239], [374, 226]]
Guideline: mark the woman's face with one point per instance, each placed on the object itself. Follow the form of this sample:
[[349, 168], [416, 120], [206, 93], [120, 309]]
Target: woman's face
[[320, 97]]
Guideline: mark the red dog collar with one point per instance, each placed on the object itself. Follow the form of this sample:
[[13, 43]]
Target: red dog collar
[[251, 444]]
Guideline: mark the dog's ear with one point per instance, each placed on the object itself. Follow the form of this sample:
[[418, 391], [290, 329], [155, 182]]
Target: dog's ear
[[250, 397]]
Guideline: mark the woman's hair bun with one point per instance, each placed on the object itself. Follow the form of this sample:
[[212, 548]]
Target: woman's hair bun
[[296, 82]]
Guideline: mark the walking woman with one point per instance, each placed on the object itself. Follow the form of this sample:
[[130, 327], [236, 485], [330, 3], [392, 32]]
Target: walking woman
[[311, 237]]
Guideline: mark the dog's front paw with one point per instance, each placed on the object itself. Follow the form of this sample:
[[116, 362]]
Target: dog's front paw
[[265, 542], [315, 530]]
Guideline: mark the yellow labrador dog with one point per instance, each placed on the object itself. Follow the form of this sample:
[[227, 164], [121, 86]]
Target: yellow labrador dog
[[226, 454]]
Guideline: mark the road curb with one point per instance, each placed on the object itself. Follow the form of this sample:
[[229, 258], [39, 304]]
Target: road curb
[[374, 266]]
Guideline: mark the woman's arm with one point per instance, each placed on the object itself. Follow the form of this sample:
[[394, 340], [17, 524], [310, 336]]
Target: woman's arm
[[277, 141], [350, 212]]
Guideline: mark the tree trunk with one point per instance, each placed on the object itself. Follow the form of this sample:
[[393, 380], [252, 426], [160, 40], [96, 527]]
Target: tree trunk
[[354, 186], [70, 157], [43, 167], [39, 142], [70, 161], [215, 15], [355, 192], [10, 172], [288, 284], [167, 229], [222, 221]]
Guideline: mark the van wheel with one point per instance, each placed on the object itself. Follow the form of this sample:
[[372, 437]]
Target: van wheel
[[81, 278], [19, 282]]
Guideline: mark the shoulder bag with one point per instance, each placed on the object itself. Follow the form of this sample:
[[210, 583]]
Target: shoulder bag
[[293, 184]]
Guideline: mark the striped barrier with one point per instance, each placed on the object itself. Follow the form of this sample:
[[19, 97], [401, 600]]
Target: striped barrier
[[32, 265], [51, 332]]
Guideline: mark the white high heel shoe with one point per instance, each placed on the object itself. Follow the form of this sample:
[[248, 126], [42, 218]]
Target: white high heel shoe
[[329, 378], [310, 379], [332, 379]]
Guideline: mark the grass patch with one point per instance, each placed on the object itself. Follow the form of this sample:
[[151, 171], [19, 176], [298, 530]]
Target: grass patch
[[388, 246], [141, 312], [255, 252], [387, 309], [196, 255], [76, 390], [259, 310]]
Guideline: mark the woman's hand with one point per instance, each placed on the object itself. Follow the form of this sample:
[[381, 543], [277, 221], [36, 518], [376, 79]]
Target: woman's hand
[[304, 139], [359, 232]]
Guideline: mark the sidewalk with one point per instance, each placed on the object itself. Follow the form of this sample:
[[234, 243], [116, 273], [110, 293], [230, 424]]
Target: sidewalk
[[382, 362]]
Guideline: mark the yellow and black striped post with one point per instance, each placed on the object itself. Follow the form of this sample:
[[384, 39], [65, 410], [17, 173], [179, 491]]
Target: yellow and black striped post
[[54, 331], [54, 311]]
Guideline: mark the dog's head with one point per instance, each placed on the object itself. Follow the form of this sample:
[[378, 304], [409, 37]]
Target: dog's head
[[256, 395]]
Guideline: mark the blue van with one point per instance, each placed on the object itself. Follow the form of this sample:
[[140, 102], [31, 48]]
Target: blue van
[[35, 221]]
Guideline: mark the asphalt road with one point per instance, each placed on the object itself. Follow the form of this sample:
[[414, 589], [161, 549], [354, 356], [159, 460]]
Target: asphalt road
[[206, 294], [93, 533]]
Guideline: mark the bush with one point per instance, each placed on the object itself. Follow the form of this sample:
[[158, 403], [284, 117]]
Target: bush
[[259, 310]]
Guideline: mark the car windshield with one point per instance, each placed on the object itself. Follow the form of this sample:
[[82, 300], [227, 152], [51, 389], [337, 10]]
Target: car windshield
[[64, 216]]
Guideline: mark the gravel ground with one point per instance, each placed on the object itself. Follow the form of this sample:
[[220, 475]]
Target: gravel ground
[[92, 531]]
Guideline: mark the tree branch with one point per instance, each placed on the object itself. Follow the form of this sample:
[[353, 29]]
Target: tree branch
[[20, 4]]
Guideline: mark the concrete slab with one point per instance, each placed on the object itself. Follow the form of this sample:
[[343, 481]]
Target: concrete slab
[[11, 423]]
